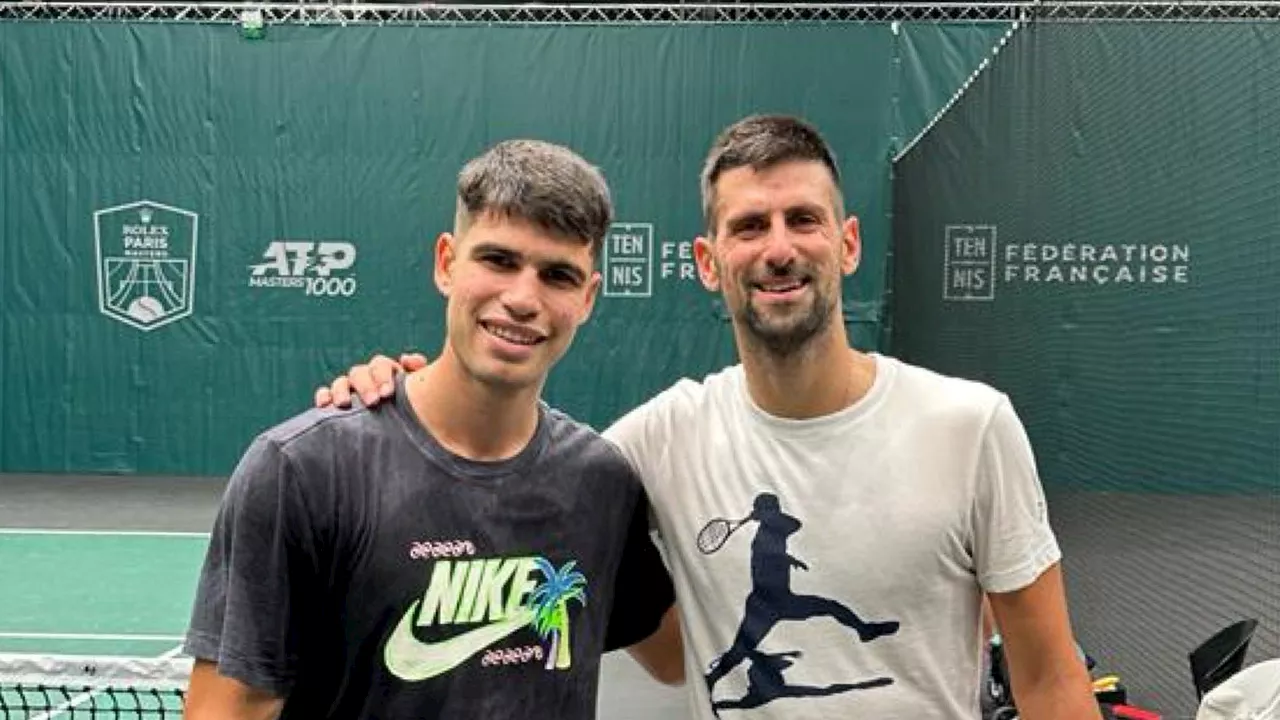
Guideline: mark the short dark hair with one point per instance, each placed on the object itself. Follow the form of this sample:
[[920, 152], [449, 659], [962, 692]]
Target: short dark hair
[[545, 184], [760, 142]]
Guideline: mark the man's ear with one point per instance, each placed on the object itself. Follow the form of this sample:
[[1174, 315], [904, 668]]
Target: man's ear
[[704, 257], [593, 291], [851, 246], [446, 253]]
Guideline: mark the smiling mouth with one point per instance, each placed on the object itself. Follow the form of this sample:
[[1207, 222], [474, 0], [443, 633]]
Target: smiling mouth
[[513, 334], [781, 286]]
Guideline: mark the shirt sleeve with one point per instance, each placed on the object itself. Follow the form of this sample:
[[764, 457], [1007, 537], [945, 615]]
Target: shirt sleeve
[[632, 433], [643, 590], [257, 572], [645, 434], [1013, 540]]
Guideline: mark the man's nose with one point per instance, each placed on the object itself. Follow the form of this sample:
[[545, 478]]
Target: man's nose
[[521, 296]]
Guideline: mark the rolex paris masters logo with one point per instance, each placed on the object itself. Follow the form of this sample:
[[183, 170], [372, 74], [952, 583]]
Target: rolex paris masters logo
[[146, 263]]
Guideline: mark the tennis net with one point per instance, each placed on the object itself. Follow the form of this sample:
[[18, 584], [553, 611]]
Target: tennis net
[[58, 687]]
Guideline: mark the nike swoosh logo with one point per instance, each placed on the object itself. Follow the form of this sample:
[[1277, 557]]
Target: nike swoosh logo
[[408, 658]]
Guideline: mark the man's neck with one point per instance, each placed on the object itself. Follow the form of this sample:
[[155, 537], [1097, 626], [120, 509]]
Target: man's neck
[[469, 418], [822, 378]]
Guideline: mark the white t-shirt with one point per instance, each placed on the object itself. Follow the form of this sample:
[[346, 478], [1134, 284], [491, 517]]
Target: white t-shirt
[[853, 588]]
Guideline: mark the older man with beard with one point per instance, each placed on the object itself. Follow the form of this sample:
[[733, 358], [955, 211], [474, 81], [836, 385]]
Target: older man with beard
[[869, 503]]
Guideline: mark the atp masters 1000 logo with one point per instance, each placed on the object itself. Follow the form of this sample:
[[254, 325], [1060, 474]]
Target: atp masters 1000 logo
[[146, 263]]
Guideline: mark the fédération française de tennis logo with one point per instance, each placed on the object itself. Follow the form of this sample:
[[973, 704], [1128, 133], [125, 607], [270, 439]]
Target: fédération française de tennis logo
[[146, 263], [969, 262]]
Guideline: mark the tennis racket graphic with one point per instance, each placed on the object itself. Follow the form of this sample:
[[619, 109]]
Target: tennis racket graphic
[[713, 535]]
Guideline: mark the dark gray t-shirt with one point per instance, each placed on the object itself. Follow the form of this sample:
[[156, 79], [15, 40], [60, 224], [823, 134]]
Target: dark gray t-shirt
[[363, 571]]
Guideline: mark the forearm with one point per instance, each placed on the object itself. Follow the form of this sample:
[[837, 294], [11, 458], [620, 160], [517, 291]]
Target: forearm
[[215, 697], [662, 653], [1064, 693]]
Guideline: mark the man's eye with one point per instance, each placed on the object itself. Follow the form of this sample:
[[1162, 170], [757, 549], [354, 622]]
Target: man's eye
[[561, 278], [498, 261]]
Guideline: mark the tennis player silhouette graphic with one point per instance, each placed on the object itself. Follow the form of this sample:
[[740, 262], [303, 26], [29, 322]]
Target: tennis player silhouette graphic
[[772, 601]]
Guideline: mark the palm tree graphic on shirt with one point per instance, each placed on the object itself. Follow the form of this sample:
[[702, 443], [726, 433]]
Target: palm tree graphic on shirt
[[550, 601]]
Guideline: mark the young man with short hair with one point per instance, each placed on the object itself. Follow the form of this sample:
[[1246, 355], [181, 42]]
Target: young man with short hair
[[467, 552]]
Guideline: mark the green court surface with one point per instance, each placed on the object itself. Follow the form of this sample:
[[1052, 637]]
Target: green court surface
[[96, 592]]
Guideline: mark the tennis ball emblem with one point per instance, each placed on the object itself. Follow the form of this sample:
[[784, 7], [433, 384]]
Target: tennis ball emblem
[[146, 309]]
